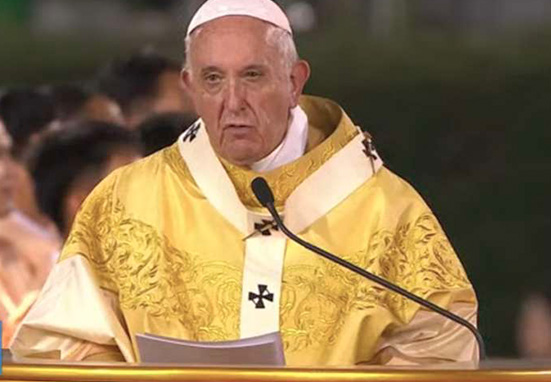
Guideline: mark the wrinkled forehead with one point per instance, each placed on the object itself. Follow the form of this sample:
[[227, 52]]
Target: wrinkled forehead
[[5, 139]]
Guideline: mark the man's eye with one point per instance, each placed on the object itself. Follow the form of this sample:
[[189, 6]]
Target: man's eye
[[212, 78], [253, 74]]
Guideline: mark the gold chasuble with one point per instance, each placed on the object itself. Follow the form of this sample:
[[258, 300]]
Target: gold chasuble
[[177, 245]]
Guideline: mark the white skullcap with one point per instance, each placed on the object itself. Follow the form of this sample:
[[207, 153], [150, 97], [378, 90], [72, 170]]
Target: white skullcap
[[265, 10]]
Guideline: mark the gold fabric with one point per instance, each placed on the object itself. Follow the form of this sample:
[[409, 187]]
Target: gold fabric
[[174, 264], [326, 119]]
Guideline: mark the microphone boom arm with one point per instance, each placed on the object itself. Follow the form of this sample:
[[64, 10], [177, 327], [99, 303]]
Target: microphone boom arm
[[395, 288]]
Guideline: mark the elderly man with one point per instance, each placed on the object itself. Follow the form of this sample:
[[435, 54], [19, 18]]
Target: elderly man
[[177, 245]]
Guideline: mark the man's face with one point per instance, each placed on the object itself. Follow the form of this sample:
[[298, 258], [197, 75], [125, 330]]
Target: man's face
[[242, 88], [6, 173]]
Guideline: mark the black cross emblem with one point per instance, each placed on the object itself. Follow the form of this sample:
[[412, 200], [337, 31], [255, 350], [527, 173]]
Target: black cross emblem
[[265, 227], [191, 132], [369, 149], [263, 294]]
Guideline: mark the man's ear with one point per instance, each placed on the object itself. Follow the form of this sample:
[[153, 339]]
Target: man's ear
[[185, 80], [299, 75], [187, 84]]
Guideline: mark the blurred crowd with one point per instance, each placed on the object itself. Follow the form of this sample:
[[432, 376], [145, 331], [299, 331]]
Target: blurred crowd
[[57, 142]]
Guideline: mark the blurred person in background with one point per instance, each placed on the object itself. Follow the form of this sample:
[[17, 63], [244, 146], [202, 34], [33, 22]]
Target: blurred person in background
[[144, 84], [26, 114], [162, 130], [68, 163], [76, 103], [534, 325], [27, 252]]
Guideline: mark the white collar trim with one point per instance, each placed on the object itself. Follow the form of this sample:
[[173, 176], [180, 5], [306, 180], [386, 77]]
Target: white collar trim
[[291, 148]]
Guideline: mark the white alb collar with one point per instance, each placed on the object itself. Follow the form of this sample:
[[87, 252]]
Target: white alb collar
[[291, 148]]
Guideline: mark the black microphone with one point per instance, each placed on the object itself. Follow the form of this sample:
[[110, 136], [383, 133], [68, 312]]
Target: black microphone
[[265, 196]]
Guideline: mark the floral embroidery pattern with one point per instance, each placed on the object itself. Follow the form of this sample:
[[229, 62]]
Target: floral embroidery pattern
[[132, 259], [135, 261], [317, 299]]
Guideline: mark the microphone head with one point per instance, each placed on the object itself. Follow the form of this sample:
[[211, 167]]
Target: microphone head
[[262, 191]]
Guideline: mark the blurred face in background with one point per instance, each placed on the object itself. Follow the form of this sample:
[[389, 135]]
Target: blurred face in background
[[171, 96], [83, 185], [241, 87], [534, 327], [102, 108], [6, 173]]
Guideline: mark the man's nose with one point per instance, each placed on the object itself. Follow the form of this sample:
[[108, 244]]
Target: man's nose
[[235, 96]]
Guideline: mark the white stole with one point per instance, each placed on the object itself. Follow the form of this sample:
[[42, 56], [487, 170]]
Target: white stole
[[323, 190]]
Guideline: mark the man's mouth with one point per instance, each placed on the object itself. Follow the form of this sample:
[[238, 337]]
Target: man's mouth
[[238, 130], [236, 126]]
